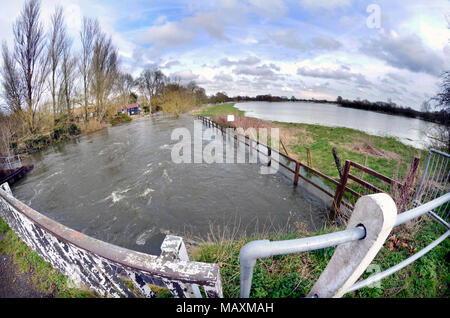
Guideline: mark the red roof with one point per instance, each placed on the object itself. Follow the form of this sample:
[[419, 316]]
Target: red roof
[[127, 106]]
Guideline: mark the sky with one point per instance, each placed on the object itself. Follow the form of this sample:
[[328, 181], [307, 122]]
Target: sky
[[376, 50]]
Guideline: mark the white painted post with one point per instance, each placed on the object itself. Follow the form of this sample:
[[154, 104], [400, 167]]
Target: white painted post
[[377, 214], [5, 187], [173, 248]]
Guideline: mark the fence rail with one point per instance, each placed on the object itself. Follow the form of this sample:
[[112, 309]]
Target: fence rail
[[403, 188], [104, 268], [353, 234], [11, 162], [435, 182], [290, 164], [294, 166]]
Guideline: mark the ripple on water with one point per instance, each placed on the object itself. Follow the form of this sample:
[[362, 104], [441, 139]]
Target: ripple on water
[[143, 237], [166, 175]]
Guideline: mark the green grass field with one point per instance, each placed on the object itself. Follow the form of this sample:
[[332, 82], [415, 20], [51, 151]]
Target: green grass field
[[386, 155], [45, 278], [294, 275]]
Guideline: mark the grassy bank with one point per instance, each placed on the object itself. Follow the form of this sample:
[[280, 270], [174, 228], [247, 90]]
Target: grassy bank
[[45, 278], [386, 155], [294, 275]]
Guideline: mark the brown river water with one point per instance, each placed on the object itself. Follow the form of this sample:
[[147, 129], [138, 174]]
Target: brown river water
[[121, 186]]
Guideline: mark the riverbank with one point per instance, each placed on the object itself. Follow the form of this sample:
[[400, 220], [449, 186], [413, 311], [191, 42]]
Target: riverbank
[[25, 274], [274, 277], [39, 142], [294, 275], [386, 155]]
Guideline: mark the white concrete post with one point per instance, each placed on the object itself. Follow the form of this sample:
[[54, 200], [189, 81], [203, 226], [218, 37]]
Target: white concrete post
[[173, 248], [377, 214], [5, 187]]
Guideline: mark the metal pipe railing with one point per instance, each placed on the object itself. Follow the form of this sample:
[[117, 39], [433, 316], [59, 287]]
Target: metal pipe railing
[[421, 210], [265, 248], [377, 277]]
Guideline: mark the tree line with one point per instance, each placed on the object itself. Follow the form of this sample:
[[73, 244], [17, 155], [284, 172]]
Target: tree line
[[50, 90]]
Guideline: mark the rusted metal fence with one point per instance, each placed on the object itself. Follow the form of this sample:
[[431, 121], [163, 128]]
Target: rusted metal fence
[[290, 165], [402, 190], [295, 168], [11, 162], [105, 268]]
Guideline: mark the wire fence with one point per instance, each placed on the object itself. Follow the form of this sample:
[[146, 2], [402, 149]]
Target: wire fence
[[435, 182], [10, 163]]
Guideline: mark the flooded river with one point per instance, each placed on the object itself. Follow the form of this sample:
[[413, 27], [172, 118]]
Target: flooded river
[[410, 131], [121, 186]]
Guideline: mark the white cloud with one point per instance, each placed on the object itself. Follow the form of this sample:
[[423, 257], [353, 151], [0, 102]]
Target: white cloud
[[161, 19], [251, 60], [325, 4], [171, 34], [185, 75], [269, 8], [291, 39], [404, 52]]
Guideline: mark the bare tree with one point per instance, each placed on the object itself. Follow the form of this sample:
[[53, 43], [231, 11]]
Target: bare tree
[[89, 29], [29, 54], [68, 77], [56, 46], [12, 89], [151, 83], [124, 86], [442, 133], [443, 97], [104, 67], [6, 134]]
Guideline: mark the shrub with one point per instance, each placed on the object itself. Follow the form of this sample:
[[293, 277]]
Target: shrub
[[120, 119]]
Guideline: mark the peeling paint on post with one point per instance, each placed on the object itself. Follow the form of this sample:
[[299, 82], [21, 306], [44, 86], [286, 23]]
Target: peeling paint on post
[[100, 266], [173, 248]]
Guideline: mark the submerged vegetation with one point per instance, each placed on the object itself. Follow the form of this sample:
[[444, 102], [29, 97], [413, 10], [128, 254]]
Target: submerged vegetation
[[120, 119]]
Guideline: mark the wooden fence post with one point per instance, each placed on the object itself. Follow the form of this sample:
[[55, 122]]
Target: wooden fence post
[[308, 157], [337, 160], [297, 172], [282, 144], [405, 189], [340, 189], [377, 214]]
